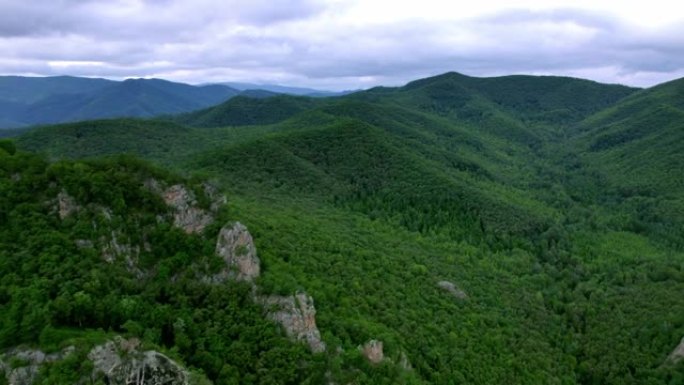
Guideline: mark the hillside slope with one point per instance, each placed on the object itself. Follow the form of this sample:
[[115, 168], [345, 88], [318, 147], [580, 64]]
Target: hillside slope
[[519, 108], [635, 148], [243, 111], [459, 233], [95, 250]]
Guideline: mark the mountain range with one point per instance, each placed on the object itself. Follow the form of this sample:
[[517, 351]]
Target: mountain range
[[288, 90], [27, 101], [515, 229]]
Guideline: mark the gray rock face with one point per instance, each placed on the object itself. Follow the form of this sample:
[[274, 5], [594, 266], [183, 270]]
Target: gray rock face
[[678, 353], [66, 204], [297, 315], [217, 199], [236, 247], [122, 363], [119, 361], [372, 350], [187, 213], [187, 216], [114, 248], [452, 289], [33, 359]]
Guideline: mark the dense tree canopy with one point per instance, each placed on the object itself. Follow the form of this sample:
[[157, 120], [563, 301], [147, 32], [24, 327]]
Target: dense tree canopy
[[555, 206]]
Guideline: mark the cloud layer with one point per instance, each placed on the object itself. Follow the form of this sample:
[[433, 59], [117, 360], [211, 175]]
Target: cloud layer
[[337, 44]]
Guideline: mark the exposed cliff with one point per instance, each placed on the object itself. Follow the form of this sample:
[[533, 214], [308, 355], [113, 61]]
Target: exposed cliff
[[21, 366], [66, 204], [236, 246], [122, 362], [187, 212], [117, 362], [297, 315]]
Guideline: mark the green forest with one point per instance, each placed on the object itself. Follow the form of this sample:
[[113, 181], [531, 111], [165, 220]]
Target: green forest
[[554, 207]]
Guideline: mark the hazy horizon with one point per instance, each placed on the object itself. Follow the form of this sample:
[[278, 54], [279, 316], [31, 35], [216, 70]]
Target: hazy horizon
[[247, 82]]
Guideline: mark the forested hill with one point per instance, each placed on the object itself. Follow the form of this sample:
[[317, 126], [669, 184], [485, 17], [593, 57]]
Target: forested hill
[[242, 111], [518, 230], [545, 99], [96, 250], [26, 101]]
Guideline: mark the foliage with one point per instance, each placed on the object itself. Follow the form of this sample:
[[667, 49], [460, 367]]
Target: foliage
[[555, 204], [242, 111], [55, 292]]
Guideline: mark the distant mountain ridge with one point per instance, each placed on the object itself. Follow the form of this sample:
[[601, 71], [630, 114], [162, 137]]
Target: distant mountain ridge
[[27, 90], [515, 104], [298, 91], [27, 101]]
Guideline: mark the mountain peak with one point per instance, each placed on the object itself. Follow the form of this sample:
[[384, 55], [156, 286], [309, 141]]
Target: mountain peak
[[447, 76]]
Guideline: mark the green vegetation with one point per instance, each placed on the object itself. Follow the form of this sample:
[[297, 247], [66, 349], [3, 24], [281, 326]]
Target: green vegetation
[[555, 204], [56, 292], [242, 111]]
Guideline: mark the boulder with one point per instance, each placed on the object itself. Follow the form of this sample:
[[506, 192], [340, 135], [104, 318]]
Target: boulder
[[372, 350], [452, 289]]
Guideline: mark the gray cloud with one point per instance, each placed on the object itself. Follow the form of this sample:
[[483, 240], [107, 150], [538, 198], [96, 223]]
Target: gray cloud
[[306, 43]]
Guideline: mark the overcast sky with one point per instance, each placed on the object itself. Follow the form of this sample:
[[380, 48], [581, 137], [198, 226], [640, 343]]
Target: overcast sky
[[342, 44]]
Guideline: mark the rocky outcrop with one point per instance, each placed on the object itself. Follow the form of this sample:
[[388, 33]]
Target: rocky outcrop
[[114, 248], [217, 199], [297, 315], [236, 247], [84, 244], [678, 353], [30, 361], [187, 214], [120, 362], [372, 350], [66, 204], [452, 289], [404, 362]]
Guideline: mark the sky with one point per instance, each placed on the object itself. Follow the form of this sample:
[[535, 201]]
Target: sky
[[342, 44]]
